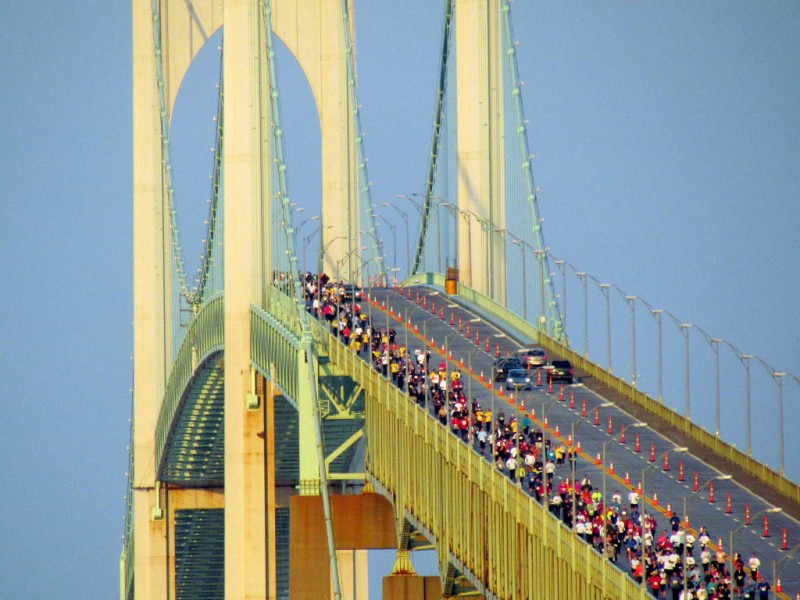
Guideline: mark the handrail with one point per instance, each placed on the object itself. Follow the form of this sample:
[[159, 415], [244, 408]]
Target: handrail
[[204, 337]]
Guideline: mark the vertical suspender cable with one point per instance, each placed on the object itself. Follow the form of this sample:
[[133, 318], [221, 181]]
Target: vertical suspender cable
[[437, 131]]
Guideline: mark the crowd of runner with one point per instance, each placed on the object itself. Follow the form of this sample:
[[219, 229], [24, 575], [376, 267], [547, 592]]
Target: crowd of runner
[[669, 557]]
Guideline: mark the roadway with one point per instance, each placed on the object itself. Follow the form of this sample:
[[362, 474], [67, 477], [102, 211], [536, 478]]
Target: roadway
[[432, 326]]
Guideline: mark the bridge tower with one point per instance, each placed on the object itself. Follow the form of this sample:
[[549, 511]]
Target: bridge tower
[[480, 145], [167, 36]]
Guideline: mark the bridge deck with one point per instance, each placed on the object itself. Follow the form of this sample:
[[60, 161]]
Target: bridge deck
[[724, 527]]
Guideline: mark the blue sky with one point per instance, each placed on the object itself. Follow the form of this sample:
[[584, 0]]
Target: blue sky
[[666, 141]]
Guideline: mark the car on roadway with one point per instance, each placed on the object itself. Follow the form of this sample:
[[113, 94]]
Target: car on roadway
[[352, 293], [560, 370], [503, 365], [518, 379], [533, 358]]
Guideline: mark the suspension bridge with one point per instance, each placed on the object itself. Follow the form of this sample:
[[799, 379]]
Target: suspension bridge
[[264, 450]]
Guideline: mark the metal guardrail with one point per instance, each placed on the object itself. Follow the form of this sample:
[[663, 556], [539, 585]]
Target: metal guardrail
[[204, 337], [785, 486]]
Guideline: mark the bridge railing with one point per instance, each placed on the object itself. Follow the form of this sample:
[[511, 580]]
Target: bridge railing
[[714, 443], [205, 336], [513, 545]]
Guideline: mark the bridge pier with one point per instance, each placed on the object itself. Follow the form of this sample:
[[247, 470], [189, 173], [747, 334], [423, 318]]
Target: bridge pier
[[405, 584], [361, 522]]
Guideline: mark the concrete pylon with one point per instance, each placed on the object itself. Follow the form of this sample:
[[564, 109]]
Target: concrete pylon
[[480, 146], [313, 30]]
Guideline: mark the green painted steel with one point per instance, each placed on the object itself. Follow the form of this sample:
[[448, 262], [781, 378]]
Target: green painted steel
[[274, 352], [203, 338], [199, 554], [195, 451]]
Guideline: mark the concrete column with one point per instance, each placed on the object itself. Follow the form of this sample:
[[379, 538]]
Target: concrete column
[[151, 307], [245, 485], [480, 145], [361, 522]]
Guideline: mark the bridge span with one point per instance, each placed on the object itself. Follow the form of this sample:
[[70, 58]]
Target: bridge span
[[680, 474], [492, 538]]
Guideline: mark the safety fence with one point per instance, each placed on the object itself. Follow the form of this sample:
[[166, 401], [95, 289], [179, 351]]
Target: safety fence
[[204, 337]]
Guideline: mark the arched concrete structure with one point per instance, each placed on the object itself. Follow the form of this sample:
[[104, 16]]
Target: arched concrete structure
[[314, 32]]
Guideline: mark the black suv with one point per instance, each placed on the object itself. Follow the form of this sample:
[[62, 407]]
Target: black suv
[[503, 365], [560, 370]]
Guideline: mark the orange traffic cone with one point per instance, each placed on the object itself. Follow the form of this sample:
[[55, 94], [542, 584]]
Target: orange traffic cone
[[611, 469], [598, 460], [627, 478], [522, 405], [655, 499], [572, 400], [668, 512]]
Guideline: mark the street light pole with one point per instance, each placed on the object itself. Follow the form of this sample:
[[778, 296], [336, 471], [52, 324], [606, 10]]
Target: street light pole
[[657, 312], [521, 245], [582, 276], [542, 315], [562, 268], [687, 390], [404, 216], [779, 375], [745, 358], [632, 303], [605, 288], [715, 348], [644, 504], [393, 229]]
